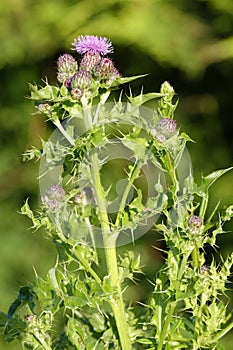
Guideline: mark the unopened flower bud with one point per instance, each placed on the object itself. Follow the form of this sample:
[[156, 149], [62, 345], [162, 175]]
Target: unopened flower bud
[[167, 89], [114, 75], [54, 197], [204, 270], [81, 80], [76, 93], [56, 192], [67, 66], [164, 129], [90, 61], [195, 224], [167, 127], [81, 198], [106, 69], [44, 108], [53, 204]]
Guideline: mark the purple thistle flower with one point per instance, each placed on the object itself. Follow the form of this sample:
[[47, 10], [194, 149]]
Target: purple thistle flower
[[167, 127], [92, 44]]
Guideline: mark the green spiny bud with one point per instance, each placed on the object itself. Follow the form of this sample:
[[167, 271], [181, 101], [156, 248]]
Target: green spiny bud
[[166, 108], [167, 90]]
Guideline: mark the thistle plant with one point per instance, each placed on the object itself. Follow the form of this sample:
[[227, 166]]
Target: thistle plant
[[90, 206]]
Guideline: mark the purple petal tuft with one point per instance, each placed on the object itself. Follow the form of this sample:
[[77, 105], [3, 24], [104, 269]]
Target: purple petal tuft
[[92, 44]]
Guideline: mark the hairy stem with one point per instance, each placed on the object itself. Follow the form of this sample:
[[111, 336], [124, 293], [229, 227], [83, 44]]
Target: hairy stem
[[109, 242], [110, 255]]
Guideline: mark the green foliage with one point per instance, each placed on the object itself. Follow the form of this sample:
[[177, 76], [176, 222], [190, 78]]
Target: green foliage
[[188, 43], [79, 304]]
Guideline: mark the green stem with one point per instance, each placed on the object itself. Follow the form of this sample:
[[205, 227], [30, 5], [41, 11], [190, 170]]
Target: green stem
[[41, 341], [169, 165], [166, 325], [195, 257], [182, 267], [87, 267], [89, 226], [63, 132], [165, 328], [203, 206], [109, 241], [110, 255], [132, 178]]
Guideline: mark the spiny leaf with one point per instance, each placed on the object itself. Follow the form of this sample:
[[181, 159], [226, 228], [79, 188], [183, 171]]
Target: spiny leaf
[[208, 181], [142, 98], [46, 93], [33, 153], [125, 80]]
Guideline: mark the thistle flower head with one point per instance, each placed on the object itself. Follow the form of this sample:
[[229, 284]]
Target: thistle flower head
[[54, 197], [204, 270], [195, 224], [81, 198], [105, 68], [90, 61], [66, 66], [92, 44], [165, 128], [76, 93], [56, 192], [44, 108], [113, 76], [81, 79]]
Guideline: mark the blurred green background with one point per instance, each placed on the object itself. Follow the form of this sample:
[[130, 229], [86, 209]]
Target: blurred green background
[[188, 43]]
